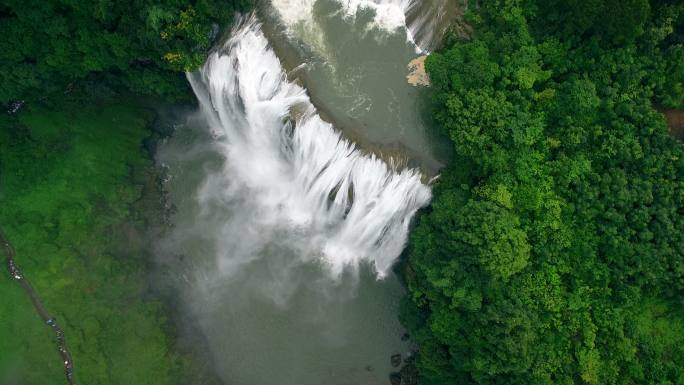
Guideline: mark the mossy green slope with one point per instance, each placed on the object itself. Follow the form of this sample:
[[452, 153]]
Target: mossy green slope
[[68, 179]]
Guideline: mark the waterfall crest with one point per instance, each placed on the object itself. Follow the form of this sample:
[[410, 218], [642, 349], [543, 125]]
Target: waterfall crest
[[420, 19], [291, 172]]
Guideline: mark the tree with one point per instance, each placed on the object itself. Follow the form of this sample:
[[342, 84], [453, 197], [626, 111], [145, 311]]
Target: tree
[[553, 250], [48, 45]]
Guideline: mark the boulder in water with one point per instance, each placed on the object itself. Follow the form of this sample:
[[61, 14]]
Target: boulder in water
[[409, 374], [417, 75], [395, 378], [396, 360]]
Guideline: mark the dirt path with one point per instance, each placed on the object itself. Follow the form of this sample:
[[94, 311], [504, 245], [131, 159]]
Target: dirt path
[[675, 121], [16, 274]]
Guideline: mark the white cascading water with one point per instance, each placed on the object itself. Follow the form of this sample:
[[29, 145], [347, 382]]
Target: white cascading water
[[390, 15], [293, 172]]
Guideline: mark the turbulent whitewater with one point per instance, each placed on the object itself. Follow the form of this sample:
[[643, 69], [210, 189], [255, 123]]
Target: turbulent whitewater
[[417, 17], [298, 184]]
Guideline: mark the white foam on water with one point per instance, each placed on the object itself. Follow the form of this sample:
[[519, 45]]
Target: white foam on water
[[297, 183], [293, 12], [389, 16]]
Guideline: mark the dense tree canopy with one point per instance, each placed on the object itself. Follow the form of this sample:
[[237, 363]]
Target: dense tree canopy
[[553, 252], [76, 196], [46, 45], [77, 193]]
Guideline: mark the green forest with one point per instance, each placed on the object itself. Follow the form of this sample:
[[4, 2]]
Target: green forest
[[78, 189], [553, 252], [50, 46], [69, 208]]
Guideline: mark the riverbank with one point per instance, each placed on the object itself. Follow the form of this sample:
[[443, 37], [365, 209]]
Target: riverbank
[[77, 191], [551, 252]]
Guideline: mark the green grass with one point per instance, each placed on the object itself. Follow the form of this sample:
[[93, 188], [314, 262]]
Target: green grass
[[68, 179]]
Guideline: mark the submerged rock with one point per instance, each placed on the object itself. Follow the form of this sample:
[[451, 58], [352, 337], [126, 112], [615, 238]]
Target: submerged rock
[[409, 374], [396, 360]]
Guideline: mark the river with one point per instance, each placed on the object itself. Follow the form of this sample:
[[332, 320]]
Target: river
[[294, 186]]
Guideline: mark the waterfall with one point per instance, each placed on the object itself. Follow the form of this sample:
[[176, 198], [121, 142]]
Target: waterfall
[[289, 172]]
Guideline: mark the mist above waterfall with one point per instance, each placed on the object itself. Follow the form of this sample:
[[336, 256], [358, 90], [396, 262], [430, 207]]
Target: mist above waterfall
[[292, 172], [283, 224]]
